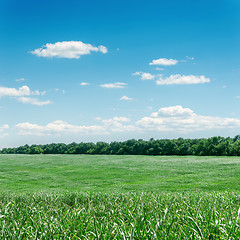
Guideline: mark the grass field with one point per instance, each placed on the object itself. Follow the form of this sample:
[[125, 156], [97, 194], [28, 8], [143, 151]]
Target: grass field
[[120, 216], [119, 197], [101, 173]]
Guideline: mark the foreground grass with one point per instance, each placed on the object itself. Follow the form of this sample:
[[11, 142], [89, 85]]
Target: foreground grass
[[99, 173], [120, 216]]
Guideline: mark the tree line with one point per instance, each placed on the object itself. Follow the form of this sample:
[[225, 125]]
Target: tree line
[[214, 146]]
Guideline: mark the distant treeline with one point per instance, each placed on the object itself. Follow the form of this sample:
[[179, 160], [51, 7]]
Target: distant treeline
[[214, 146]]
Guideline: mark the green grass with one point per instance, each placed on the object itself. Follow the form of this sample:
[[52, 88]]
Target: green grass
[[120, 216], [119, 197], [97, 173]]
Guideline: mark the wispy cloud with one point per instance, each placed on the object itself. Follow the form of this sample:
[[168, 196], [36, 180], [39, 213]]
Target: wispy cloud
[[2, 129], [126, 98], [182, 79], [164, 62], [59, 90], [84, 84], [67, 49], [20, 79], [33, 101], [114, 85], [144, 75]]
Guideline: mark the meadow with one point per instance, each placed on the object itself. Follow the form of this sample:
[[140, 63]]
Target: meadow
[[106, 173], [119, 197]]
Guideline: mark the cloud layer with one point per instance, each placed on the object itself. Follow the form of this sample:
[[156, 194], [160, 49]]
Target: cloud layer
[[173, 119], [60, 127], [67, 49]]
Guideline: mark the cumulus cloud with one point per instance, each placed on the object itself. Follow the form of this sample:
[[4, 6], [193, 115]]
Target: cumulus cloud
[[126, 98], [144, 76], [114, 85], [184, 120], [115, 124], [182, 79], [33, 101], [173, 119], [172, 112], [22, 95], [164, 62], [84, 83], [68, 49], [57, 127], [13, 92]]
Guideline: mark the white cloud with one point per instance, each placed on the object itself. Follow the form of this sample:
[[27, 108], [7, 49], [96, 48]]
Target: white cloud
[[22, 91], [13, 92], [57, 127], [22, 95], [121, 119], [116, 125], [190, 58], [59, 90], [164, 62], [2, 129], [172, 112], [37, 92], [126, 98], [144, 76], [183, 120], [182, 79], [159, 69], [114, 85], [33, 101], [60, 127], [84, 83], [20, 79], [68, 49], [174, 119]]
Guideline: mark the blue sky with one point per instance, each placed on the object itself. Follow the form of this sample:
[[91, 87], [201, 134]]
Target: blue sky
[[115, 70]]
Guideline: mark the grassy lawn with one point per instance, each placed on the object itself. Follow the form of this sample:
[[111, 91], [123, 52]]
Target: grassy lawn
[[100, 173]]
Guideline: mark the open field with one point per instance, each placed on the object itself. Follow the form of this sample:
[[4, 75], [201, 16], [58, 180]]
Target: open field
[[119, 197], [105, 173]]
